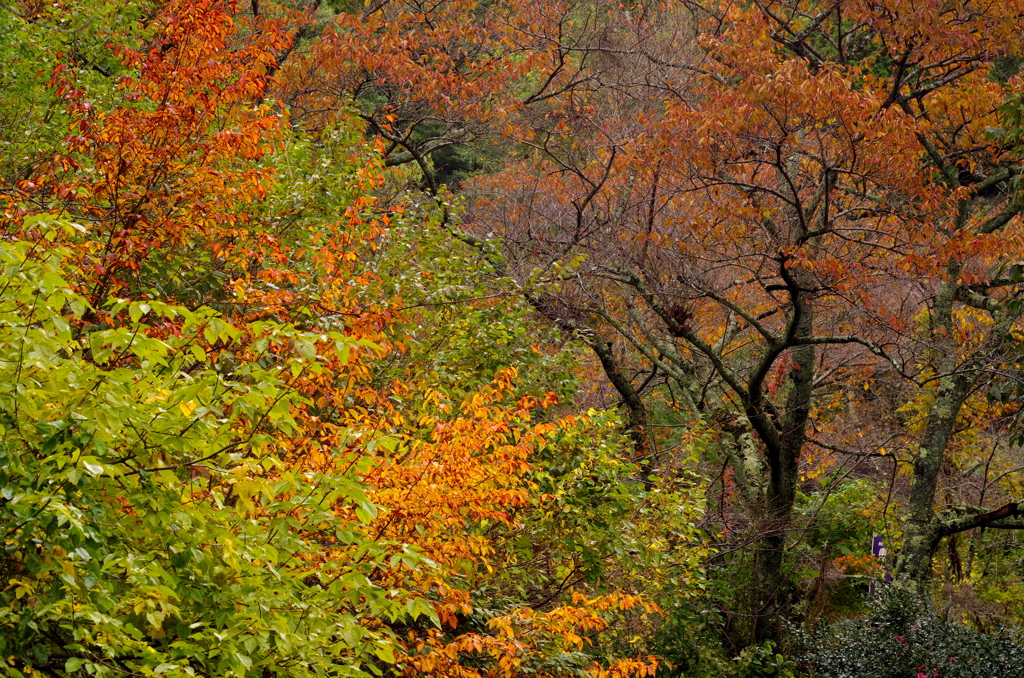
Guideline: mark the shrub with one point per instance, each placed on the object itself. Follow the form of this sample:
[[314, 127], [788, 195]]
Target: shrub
[[903, 638]]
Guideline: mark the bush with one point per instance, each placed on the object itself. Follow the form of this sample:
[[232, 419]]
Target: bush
[[904, 638]]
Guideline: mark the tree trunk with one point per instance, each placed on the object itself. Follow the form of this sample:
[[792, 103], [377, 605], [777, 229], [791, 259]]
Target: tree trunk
[[783, 448], [920, 534], [924, 528]]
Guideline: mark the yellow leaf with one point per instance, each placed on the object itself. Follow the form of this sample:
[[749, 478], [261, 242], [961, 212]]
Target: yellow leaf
[[160, 395]]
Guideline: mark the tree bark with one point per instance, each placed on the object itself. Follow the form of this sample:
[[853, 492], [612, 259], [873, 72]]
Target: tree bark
[[783, 457], [920, 535], [925, 528]]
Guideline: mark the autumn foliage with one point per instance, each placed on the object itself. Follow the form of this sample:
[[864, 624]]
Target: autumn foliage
[[315, 317], [245, 320]]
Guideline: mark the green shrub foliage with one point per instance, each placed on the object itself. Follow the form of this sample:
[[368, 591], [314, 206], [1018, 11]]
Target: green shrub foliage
[[904, 638]]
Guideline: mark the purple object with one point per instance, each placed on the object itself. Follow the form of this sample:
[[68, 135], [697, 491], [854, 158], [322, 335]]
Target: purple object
[[878, 551]]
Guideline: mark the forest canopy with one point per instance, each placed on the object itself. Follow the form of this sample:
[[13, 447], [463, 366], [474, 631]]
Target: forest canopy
[[495, 339]]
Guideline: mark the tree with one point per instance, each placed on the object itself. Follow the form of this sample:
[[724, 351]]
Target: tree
[[427, 81], [237, 473], [150, 525], [34, 124], [824, 177]]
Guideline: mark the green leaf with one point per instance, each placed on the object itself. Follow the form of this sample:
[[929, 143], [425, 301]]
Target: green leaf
[[385, 652], [366, 512], [306, 349], [92, 466]]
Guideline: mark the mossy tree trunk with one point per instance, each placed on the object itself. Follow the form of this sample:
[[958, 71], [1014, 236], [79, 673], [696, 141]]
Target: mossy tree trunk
[[957, 375]]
